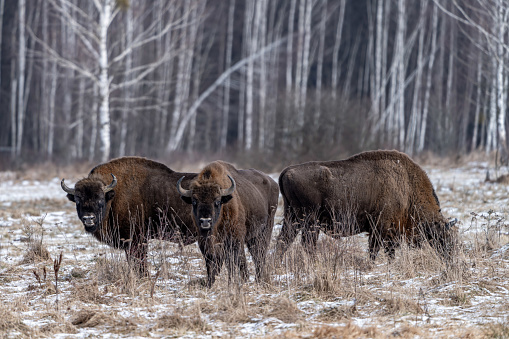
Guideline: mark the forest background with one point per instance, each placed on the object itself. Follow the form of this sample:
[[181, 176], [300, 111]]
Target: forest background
[[253, 81]]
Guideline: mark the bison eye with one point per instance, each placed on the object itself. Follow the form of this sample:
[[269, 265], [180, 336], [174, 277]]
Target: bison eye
[[218, 203], [194, 203]]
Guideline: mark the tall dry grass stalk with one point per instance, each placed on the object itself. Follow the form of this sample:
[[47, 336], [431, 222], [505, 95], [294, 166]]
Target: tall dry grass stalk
[[33, 232]]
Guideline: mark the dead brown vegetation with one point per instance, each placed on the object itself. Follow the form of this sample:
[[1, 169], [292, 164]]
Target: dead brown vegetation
[[335, 293]]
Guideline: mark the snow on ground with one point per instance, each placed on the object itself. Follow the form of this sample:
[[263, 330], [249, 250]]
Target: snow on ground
[[97, 296]]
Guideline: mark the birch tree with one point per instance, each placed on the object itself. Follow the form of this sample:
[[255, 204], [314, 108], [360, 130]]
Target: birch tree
[[21, 76]]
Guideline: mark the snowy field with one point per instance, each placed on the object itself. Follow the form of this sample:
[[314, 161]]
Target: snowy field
[[340, 294]]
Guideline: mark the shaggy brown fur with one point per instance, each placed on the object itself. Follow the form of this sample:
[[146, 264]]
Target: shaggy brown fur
[[383, 193], [143, 205], [227, 222]]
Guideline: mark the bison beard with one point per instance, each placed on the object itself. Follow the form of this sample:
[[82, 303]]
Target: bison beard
[[383, 193], [231, 208], [139, 204]]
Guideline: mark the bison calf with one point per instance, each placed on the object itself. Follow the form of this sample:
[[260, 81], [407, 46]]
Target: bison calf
[[127, 201], [383, 193], [231, 208]]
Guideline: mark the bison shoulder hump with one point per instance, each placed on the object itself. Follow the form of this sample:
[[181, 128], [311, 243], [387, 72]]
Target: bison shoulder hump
[[325, 173]]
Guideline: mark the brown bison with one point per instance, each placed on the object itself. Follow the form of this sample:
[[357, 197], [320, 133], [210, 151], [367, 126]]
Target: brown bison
[[231, 208], [383, 193], [127, 201]]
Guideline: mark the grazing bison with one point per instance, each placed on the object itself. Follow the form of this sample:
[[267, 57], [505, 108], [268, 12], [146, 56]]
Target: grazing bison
[[129, 200], [383, 193], [231, 208]]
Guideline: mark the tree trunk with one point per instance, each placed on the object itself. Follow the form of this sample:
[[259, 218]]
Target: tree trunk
[[14, 85], [251, 45], [228, 64], [52, 99], [501, 80], [128, 90], [289, 75], [319, 65], [400, 37], [262, 37], [424, 119], [415, 112], [21, 75], [104, 89], [335, 51], [93, 123], [477, 104]]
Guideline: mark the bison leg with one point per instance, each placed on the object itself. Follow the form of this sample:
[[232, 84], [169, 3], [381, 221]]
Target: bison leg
[[310, 237], [213, 263], [374, 245], [258, 249], [136, 254], [390, 249], [286, 237], [236, 260]]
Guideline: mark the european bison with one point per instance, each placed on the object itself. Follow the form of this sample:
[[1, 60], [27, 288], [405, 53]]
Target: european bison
[[383, 193], [127, 201], [231, 208]]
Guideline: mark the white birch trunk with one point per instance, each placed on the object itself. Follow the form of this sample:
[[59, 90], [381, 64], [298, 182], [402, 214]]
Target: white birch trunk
[[368, 85], [261, 23], [191, 78], [228, 64], [168, 73], [351, 65], [14, 86], [401, 72], [21, 75], [378, 60], [272, 109], [298, 65], [289, 73], [52, 100], [67, 41], [250, 7], [449, 106], [93, 123], [477, 104], [415, 113], [79, 119], [335, 51], [319, 65], [128, 90], [491, 133], [501, 78], [43, 117], [104, 88], [306, 56], [385, 51], [181, 68], [424, 119]]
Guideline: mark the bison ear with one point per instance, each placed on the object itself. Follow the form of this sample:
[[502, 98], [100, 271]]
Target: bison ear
[[226, 198], [187, 200], [71, 197], [109, 195]]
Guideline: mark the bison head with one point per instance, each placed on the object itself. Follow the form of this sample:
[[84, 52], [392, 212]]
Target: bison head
[[207, 199], [91, 197]]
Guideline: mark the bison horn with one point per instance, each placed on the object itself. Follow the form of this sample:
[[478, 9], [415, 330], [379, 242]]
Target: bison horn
[[183, 192], [67, 189], [230, 190], [110, 186]]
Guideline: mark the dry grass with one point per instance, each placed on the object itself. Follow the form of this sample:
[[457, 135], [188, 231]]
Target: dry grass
[[336, 293]]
